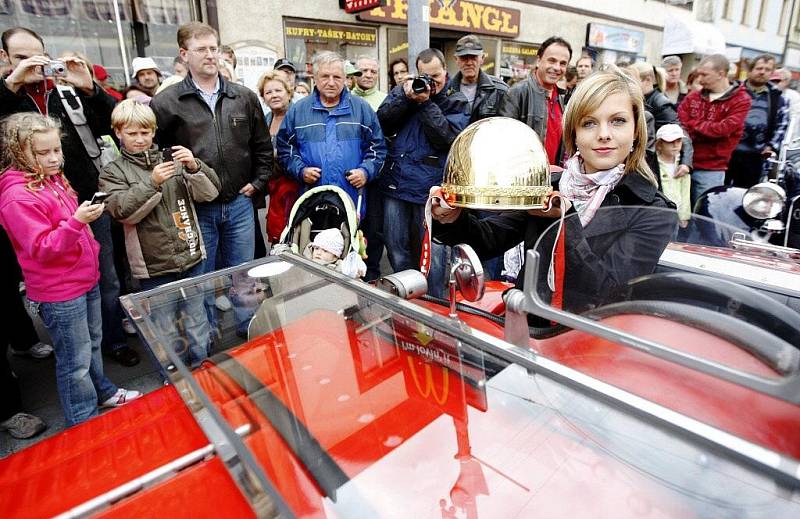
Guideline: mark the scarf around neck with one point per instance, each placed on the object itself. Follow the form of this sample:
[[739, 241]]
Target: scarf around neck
[[587, 191]]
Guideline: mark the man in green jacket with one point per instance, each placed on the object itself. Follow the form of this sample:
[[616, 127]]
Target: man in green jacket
[[367, 83]]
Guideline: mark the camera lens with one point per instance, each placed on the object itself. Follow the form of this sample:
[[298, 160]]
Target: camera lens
[[418, 85]]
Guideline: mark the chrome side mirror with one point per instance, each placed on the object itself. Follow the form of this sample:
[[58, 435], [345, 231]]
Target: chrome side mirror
[[466, 275]]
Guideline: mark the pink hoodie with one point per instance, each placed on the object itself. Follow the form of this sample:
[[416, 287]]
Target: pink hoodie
[[57, 253]]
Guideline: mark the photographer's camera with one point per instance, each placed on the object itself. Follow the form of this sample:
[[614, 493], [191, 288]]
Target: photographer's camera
[[422, 82]]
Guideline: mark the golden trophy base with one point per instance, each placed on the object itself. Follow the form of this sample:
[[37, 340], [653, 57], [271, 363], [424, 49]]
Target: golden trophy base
[[497, 198]]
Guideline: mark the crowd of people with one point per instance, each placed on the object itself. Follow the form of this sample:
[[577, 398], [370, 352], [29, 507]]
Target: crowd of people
[[201, 145]]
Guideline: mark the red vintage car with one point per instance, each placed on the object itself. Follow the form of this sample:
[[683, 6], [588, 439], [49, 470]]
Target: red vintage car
[[349, 401]]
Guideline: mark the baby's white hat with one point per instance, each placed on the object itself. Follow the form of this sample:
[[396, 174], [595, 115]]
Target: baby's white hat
[[330, 240]]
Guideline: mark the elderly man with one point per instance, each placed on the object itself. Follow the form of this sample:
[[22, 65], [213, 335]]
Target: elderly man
[[714, 118], [676, 88], [424, 125], [537, 101], [483, 92], [147, 75], [764, 127], [781, 79], [331, 137], [367, 83]]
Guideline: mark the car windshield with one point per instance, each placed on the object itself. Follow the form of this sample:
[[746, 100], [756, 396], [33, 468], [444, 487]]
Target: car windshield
[[350, 402]]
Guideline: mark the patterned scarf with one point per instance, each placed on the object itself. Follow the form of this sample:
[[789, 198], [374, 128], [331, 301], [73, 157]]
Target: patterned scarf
[[587, 191]]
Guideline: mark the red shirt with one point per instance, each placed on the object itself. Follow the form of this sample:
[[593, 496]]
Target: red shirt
[[552, 138]]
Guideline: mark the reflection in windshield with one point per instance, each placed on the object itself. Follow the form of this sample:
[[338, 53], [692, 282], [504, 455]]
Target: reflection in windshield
[[358, 407]]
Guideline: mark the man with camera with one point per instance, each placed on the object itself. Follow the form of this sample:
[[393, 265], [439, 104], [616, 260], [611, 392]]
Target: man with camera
[[422, 117], [84, 110]]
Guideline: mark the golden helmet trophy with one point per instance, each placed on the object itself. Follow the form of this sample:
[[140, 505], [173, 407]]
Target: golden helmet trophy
[[497, 163]]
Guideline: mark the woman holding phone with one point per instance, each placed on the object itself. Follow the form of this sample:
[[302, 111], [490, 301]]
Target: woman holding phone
[[58, 255]]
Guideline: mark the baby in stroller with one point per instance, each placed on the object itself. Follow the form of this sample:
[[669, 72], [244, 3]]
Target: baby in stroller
[[323, 227], [326, 249]]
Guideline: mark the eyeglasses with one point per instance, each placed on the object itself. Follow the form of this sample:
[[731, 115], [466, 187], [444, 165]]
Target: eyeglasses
[[205, 50]]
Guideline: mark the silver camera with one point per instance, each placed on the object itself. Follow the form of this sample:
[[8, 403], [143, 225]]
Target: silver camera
[[56, 68]]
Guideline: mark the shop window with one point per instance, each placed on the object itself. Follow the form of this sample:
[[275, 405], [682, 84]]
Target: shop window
[[89, 26], [517, 60], [303, 39]]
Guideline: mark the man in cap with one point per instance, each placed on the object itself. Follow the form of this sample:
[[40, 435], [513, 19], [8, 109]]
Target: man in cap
[[290, 70], [352, 72], [146, 74], [484, 92]]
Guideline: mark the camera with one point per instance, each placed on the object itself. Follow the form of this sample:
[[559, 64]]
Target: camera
[[419, 83], [166, 154], [56, 68]]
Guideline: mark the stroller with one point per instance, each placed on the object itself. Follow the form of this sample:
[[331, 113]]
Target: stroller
[[320, 208]]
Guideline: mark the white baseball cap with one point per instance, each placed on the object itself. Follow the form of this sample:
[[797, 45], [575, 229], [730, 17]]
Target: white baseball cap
[[140, 64], [669, 133]]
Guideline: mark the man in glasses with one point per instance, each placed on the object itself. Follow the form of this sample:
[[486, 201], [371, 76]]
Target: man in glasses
[[222, 123]]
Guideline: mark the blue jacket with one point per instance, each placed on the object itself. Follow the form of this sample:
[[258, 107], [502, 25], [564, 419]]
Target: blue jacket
[[336, 141], [422, 134]]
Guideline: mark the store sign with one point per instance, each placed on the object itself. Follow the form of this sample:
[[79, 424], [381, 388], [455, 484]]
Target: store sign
[[517, 59], [314, 32], [615, 38], [357, 6], [462, 16]]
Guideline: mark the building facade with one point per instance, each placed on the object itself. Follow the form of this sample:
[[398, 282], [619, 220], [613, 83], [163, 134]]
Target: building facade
[[112, 32]]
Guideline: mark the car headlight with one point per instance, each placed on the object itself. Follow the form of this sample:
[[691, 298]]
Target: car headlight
[[764, 200]]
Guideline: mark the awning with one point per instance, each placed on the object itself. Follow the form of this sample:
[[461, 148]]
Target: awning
[[690, 36]]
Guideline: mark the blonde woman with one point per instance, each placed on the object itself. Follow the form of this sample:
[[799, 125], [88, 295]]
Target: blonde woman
[[276, 92], [605, 135]]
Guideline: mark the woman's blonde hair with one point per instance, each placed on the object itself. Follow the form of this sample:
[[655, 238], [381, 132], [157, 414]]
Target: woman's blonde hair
[[274, 75], [590, 94], [131, 112], [18, 131]]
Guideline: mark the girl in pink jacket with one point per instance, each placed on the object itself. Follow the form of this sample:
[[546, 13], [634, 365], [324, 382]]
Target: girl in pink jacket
[[59, 259]]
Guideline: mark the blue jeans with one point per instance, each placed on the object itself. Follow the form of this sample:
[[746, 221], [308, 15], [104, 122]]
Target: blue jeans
[[76, 330], [402, 232], [703, 180], [113, 335], [228, 228], [188, 314]]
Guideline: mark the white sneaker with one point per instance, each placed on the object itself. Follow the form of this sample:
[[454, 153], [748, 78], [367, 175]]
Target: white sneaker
[[39, 350], [223, 303], [121, 397], [127, 326]]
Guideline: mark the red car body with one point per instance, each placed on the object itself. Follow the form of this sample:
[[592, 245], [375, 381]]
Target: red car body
[[414, 422]]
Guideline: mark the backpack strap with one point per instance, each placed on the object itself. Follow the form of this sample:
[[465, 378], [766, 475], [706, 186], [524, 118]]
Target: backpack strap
[[74, 109]]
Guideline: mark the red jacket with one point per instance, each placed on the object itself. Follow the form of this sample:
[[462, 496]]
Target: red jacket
[[715, 127]]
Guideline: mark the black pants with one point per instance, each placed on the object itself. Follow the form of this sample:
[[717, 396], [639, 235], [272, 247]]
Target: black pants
[[16, 328], [744, 169], [373, 231]]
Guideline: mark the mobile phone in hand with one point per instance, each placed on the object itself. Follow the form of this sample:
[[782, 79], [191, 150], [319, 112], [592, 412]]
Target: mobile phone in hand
[[98, 198], [166, 154]]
